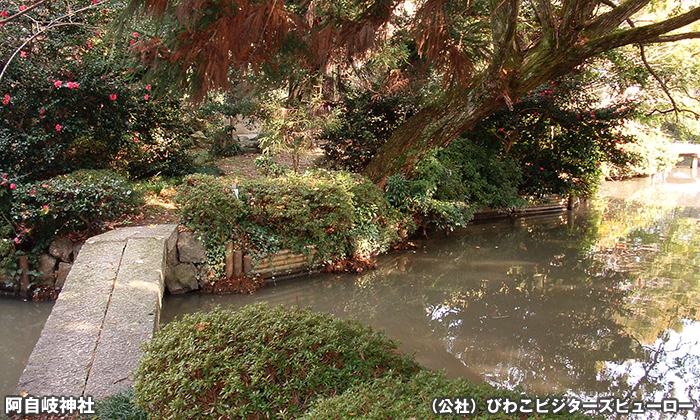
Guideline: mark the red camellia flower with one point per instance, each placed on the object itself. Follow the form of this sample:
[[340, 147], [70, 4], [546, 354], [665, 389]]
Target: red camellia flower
[[23, 54], [148, 88], [3, 13], [42, 112], [32, 192], [12, 186], [135, 34], [145, 97], [44, 185], [57, 83], [22, 8], [113, 97], [89, 44], [58, 127], [6, 99]]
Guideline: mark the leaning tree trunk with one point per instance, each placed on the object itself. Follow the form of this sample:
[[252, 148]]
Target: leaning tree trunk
[[516, 69]]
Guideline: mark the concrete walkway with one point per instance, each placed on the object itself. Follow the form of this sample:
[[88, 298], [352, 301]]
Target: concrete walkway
[[109, 306]]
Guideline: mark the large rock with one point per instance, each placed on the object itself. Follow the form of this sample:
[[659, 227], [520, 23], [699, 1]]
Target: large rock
[[77, 246], [62, 274], [46, 269], [189, 248], [61, 248], [181, 278]]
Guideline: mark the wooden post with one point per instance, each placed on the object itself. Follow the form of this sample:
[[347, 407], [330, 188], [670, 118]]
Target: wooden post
[[238, 263], [229, 260], [24, 279], [247, 264]]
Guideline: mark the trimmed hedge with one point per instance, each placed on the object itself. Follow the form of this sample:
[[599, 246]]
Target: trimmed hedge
[[82, 199], [259, 363]]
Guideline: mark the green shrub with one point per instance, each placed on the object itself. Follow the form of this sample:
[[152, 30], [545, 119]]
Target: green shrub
[[398, 397], [451, 184], [341, 215], [259, 363], [82, 199], [210, 207]]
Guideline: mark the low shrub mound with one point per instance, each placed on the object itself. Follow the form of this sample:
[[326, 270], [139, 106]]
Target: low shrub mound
[[341, 215], [277, 363], [259, 363]]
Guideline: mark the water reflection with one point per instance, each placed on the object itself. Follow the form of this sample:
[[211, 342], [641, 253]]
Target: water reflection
[[603, 301]]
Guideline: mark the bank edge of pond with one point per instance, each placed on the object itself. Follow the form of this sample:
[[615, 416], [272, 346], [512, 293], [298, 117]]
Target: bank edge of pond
[[243, 274]]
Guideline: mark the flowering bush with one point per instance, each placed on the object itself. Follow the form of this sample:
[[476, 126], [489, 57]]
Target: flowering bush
[[84, 199], [73, 100]]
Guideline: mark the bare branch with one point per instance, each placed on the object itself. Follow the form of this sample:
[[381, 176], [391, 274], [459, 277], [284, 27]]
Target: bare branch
[[54, 23], [23, 12], [674, 37], [676, 110], [658, 79]]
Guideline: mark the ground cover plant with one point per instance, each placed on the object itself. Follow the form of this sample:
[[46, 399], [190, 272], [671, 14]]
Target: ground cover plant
[[275, 363]]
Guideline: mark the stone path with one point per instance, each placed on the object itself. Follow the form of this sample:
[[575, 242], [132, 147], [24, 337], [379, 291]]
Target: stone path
[[109, 306]]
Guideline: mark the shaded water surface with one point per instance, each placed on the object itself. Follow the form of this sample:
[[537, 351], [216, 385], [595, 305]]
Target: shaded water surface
[[601, 301], [20, 326]]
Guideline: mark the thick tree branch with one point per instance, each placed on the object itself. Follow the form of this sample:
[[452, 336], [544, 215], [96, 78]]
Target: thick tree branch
[[545, 15], [612, 19], [640, 35]]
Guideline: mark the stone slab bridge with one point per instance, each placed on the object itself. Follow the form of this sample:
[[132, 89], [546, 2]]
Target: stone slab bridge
[[109, 306]]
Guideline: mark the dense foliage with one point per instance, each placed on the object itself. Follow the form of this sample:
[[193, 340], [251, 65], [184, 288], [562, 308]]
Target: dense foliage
[[258, 363], [33, 212], [449, 186], [339, 214], [365, 124], [74, 99]]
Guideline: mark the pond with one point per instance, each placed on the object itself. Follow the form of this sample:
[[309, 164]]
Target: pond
[[20, 326], [602, 301]]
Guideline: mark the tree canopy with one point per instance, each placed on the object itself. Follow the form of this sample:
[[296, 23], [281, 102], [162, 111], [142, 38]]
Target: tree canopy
[[490, 52]]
